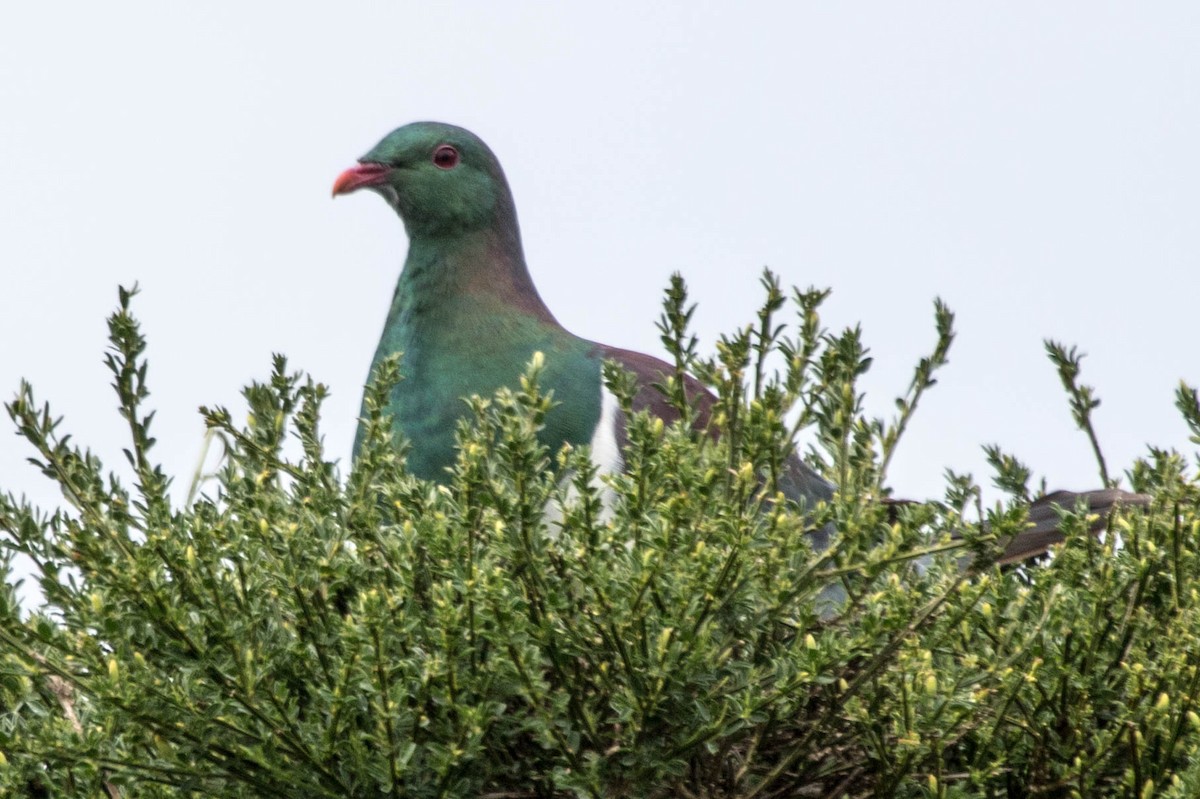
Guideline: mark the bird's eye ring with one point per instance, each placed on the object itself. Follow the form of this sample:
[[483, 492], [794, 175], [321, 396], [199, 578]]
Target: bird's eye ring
[[445, 157]]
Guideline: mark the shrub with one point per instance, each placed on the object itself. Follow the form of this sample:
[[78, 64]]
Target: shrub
[[288, 633]]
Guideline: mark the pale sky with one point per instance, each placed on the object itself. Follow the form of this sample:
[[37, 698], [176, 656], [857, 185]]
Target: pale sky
[[1033, 164]]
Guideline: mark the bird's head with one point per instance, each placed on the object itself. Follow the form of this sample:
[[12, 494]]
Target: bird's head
[[441, 179]]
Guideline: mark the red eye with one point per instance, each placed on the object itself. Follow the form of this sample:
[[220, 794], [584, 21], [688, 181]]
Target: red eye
[[445, 157]]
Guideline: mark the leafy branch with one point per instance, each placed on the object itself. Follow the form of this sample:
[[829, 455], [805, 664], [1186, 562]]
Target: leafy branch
[[1082, 398]]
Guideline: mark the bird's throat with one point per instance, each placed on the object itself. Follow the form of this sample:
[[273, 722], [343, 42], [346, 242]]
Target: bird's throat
[[457, 282]]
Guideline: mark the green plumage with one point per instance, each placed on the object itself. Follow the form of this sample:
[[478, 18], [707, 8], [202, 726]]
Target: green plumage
[[465, 314]]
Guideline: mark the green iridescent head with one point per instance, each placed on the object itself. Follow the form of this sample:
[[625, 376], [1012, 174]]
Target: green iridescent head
[[441, 179]]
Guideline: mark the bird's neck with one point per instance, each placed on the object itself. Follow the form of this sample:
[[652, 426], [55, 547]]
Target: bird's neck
[[477, 270], [465, 298]]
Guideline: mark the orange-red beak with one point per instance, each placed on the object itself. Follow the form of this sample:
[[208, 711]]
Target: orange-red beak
[[356, 177]]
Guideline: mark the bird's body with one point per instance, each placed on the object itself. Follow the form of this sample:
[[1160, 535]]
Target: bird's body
[[468, 319]]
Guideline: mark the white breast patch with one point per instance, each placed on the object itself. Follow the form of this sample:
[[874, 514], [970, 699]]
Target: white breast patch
[[606, 454]]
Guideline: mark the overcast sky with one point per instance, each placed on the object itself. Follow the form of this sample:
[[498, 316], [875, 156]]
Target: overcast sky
[[1033, 164]]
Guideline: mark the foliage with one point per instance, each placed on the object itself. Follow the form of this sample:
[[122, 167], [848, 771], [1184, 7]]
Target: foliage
[[290, 634]]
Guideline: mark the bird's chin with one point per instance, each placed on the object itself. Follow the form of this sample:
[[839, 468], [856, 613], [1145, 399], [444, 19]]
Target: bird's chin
[[389, 194]]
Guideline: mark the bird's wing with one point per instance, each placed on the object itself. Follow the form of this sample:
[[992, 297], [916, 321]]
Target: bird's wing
[[1045, 531], [798, 482], [652, 372], [802, 484]]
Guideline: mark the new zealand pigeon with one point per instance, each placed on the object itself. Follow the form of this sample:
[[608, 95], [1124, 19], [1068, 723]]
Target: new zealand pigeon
[[468, 319]]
